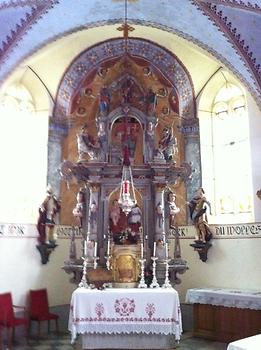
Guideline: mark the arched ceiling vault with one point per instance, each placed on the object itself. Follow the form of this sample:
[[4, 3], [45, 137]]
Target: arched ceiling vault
[[201, 34]]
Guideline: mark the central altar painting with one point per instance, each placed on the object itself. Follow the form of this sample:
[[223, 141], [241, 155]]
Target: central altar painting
[[127, 166]]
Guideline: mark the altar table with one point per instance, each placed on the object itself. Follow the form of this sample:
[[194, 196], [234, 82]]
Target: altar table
[[225, 314], [250, 343], [125, 318]]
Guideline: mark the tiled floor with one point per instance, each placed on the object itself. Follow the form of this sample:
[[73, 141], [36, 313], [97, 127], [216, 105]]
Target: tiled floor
[[62, 342]]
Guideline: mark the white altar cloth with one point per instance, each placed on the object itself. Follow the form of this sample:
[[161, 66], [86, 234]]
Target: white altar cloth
[[125, 311], [243, 299], [250, 343]]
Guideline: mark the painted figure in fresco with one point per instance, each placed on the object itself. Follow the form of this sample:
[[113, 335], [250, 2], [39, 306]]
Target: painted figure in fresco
[[173, 209], [130, 140], [150, 141], [105, 99], [167, 144], [87, 145], [198, 212], [80, 209], [151, 101], [102, 140], [126, 91], [47, 217]]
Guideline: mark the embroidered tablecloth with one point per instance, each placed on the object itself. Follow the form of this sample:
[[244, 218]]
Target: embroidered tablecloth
[[250, 343], [243, 299], [119, 311]]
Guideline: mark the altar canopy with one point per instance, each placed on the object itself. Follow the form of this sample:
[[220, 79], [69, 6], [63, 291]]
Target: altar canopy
[[125, 311]]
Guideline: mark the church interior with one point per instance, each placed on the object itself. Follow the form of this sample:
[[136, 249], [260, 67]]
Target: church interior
[[131, 191]]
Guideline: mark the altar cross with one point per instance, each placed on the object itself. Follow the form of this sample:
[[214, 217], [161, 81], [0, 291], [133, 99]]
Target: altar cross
[[125, 27]]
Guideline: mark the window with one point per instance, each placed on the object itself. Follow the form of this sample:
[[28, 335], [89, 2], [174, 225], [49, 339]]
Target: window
[[225, 156], [23, 151]]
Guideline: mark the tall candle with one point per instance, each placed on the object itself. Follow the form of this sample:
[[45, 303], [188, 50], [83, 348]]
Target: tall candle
[[126, 188], [108, 247], [95, 249], [85, 247], [154, 249], [167, 253], [141, 250]]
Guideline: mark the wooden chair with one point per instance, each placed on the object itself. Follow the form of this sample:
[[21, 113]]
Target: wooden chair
[[39, 309], [8, 319]]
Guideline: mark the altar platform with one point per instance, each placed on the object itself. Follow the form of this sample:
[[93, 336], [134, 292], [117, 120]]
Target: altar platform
[[125, 318]]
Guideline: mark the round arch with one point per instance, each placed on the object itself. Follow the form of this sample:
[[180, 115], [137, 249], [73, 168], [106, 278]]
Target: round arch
[[91, 59]]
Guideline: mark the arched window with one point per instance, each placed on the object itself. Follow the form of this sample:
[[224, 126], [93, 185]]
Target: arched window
[[225, 155], [23, 151]]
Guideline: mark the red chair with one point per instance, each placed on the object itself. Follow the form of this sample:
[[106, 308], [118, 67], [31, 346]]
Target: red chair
[[7, 316], [39, 309]]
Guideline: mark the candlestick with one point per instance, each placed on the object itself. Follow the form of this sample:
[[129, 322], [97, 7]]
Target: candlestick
[[167, 283], [141, 250], [154, 283], [108, 247], [142, 283], [154, 249]]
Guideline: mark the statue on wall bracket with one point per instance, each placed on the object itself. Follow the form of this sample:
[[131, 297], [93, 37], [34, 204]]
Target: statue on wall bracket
[[46, 222], [198, 207]]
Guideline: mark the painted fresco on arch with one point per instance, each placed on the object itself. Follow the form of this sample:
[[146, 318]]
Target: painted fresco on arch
[[126, 132]]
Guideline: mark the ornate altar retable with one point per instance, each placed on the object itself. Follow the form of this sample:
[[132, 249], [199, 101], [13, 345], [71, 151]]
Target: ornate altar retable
[[125, 318]]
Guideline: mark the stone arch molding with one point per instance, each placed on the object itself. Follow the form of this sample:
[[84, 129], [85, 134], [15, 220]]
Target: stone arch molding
[[90, 60]]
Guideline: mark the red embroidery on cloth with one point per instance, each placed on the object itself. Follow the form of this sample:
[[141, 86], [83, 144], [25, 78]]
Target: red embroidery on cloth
[[150, 310], [99, 309], [124, 306], [125, 319]]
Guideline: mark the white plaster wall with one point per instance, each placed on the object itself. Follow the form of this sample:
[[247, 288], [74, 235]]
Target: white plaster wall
[[21, 270], [232, 263], [255, 142]]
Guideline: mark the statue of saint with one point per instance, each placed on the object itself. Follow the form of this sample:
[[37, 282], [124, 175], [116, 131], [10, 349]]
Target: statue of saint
[[134, 219], [117, 222], [47, 217], [168, 144], [80, 209], [159, 224], [173, 209], [93, 216], [198, 212], [87, 145]]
